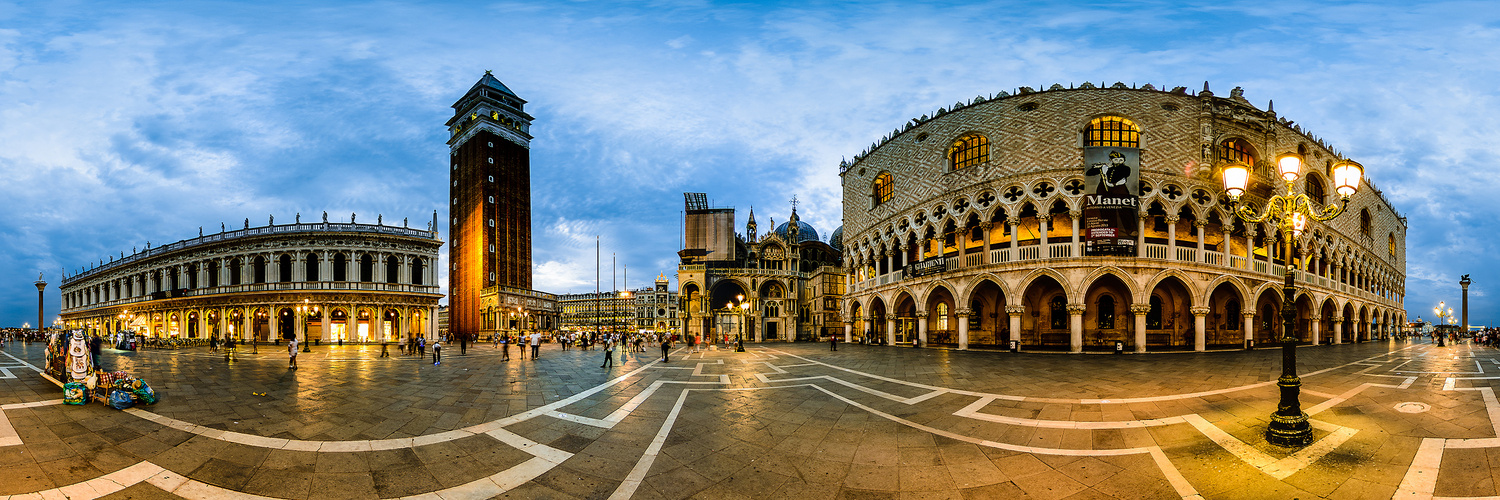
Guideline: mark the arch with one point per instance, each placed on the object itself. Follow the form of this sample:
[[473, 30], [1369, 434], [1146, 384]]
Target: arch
[[1125, 278], [1034, 275], [1236, 149], [311, 266], [286, 323], [773, 289], [284, 268], [340, 266], [1170, 321], [1107, 297], [968, 150], [392, 269], [1182, 277], [418, 268], [1226, 307], [941, 308], [1329, 313], [1267, 329], [366, 268], [988, 322], [1044, 301], [877, 330]]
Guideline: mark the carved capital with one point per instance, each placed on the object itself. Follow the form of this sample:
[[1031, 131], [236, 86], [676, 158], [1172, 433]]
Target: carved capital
[[1075, 214], [1199, 311], [1075, 309], [1200, 223], [1172, 219], [1248, 315], [1015, 310], [1140, 309], [963, 313]]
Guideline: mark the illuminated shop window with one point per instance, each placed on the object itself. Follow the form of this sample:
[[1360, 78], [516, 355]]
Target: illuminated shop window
[[1112, 131]]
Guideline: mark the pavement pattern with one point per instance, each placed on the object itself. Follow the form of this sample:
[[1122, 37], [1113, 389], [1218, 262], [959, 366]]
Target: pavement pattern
[[1391, 420]]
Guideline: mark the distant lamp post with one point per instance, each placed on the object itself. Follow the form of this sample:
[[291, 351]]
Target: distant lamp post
[[1444, 316], [304, 310], [739, 338], [1290, 212]]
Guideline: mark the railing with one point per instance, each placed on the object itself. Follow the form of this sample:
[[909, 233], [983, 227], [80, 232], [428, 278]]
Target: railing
[[1213, 258], [1032, 252], [1187, 254], [1260, 266], [1278, 269], [885, 279], [1155, 251], [974, 259], [999, 255], [951, 263], [1059, 250], [1236, 262], [261, 287]]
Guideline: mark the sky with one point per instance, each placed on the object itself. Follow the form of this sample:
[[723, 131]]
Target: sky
[[128, 122]]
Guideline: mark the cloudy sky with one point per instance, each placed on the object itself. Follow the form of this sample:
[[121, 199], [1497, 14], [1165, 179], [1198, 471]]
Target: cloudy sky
[[122, 124]]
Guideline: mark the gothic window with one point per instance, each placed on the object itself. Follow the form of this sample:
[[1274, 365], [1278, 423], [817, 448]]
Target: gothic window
[[1112, 131], [1059, 313], [1232, 309], [942, 316], [882, 189], [1314, 189], [1237, 150], [1153, 317], [969, 150], [1391, 243], [1364, 221], [1106, 318]]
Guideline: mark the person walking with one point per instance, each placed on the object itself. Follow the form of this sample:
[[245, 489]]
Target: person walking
[[95, 346], [833, 342], [504, 347], [213, 344], [422, 347], [666, 346], [437, 352], [536, 345], [291, 352], [463, 344], [229, 349], [609, 355]]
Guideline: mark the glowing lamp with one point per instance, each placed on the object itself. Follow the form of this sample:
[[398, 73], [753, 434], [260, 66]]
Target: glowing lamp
[[1289, 165], [1236, 178], [1299, 222], [1346, 177]]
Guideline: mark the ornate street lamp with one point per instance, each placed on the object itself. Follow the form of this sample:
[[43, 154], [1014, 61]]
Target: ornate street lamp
[[1442, 313], [304, 310], [1290, 212], [739, 338]]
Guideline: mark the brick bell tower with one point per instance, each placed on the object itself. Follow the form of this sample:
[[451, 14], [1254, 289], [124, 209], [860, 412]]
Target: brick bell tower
[[490, 189]]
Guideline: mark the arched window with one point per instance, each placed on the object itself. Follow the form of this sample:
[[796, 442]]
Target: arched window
[[1106, 318], [1232, 310], [881, 190], [340, 267], [259, 268], [1237, 150], [366, 268], [416, 271], [284, 269], [1112, 131], [1314, 189], [942, 315], [1391, 242], [392, 270], [969, 150], [1059, 313], [311, 267], [1364, 221], [1153, 317]]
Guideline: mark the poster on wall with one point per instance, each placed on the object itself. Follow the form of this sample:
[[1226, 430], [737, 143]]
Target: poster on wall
[[1112, 200]]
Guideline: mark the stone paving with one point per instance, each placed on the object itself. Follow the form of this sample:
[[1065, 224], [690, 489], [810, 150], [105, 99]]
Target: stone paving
[[1391, 419]]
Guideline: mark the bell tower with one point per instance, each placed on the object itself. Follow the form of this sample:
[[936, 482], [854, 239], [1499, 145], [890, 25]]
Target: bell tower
[[490, 194]]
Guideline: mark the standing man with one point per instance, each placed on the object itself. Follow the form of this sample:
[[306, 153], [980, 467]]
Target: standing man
[[505, 346], [291, 352], [609, 355], [536, 345], [437, 352], [833, 342], [463, 344], [666, 345]]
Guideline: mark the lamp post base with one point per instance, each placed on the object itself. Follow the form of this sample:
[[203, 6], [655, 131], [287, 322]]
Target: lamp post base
[[1289, 432]]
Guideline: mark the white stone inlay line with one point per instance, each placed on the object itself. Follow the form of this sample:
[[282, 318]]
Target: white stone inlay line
[[1279, 469], [972, 411], [638, 473], [1491, 405], [1421, 477]]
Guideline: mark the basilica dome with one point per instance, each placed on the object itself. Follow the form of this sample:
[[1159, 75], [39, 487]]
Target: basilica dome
[[805, 232]]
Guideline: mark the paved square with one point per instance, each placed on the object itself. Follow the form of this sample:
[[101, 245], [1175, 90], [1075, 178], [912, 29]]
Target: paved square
[[1391, 419]]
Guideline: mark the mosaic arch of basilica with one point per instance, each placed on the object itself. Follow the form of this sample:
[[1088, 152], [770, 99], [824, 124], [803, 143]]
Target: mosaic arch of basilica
[[315, 281], [966, 228]]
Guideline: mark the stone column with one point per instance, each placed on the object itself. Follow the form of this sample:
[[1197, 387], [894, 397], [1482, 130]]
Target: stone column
[[848, 332], [1172, 237], [1043, 221], [1015, 313], [890, 330], [249, 317], [1199, 225], [402, 330], [1075, 328], [1076, 215], [1249, 247], [325, 326], [1015, 252], [1315, 326], [1338, 331], [962, 239], [922, 319], [275, 317], [1140, 311], [963, 329], [1140, 236], [1200, 328], [1248, 326], [986, 228]]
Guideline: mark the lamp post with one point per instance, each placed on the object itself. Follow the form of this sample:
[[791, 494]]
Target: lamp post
[[739, 337], [306, 309], [1441, 314], [1290, 212]]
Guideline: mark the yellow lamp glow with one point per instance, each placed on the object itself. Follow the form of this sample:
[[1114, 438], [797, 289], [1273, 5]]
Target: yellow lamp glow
[[1236, 178], [1346, 177], [1290, 166], [1299, 222]]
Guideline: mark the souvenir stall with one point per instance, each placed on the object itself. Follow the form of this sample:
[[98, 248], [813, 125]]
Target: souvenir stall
[[69, 363]]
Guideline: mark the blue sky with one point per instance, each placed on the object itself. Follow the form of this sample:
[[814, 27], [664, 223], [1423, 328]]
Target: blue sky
[[123, 122]]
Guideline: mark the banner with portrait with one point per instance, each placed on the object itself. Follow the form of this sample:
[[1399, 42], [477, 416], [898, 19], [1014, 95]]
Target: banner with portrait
[[1111, 200]]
